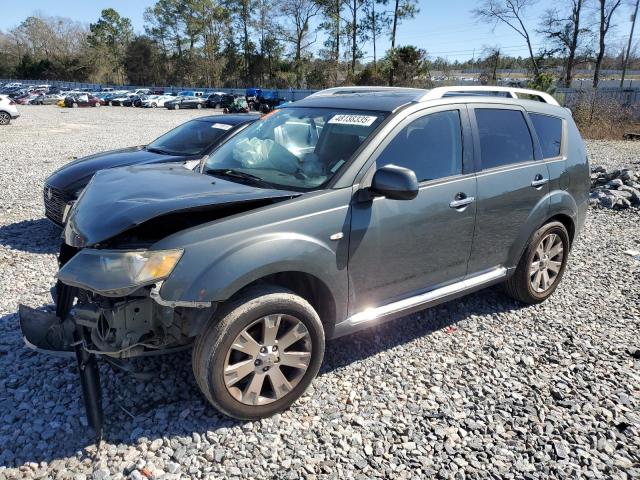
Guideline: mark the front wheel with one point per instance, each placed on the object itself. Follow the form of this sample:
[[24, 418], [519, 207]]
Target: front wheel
[[259, 353], [542, 265], [199, 106], [74, 105], [5, 118]]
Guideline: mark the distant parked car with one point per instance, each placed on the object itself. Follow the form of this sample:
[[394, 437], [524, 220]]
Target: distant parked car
[[82, 100], [188, 142], [153, 101], [220, 100], [186, 102], [26, 99], [119, 100], [8, 110], [239, 105]]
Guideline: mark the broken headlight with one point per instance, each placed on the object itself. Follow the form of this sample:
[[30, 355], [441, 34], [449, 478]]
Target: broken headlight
[[117, 272]]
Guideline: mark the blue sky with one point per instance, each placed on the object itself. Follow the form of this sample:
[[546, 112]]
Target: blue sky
[[442, 28]]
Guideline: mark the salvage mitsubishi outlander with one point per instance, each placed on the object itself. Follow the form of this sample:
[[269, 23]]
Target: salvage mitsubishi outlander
[[348, 208]]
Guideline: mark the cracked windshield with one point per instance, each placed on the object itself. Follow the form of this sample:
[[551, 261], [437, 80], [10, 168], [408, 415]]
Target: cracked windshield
[[295, 148]]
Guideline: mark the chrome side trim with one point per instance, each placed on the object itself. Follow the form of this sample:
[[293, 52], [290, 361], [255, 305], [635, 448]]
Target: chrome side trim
[[425, 298]]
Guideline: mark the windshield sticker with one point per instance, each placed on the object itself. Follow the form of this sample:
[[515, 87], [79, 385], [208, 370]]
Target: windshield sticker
[[221, 126], [345, 119]]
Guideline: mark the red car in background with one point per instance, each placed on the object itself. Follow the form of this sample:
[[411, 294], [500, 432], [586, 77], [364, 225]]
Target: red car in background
[[82, 100]]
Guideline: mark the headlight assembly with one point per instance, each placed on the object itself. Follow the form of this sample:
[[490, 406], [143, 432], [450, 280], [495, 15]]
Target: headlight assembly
[[116, 272]]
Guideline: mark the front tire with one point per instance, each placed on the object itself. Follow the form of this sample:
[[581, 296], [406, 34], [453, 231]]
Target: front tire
[[5, 118], [542, 265], [259, 353]]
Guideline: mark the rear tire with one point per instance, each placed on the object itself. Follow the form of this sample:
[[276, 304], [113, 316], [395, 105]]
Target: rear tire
[[242, 340], [542, 265], [5, 118]]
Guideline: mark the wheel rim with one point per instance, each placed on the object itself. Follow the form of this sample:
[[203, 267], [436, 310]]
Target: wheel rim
[[267, 359], [546, 263], [4, 118]]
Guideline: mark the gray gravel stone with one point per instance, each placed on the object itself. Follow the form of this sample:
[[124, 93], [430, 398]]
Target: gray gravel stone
[[437, 393]]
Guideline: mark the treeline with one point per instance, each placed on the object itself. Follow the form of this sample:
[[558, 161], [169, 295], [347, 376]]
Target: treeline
[[295, 43]]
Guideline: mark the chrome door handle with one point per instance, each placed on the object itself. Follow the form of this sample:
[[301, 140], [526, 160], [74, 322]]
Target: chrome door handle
[[463, 202], [538, 182]]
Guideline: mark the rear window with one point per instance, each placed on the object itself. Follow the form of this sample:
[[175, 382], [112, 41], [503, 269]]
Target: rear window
[[504, 137], [549, 130]]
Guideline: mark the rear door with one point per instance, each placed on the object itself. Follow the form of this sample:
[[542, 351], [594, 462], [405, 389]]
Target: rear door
[[512, 184]]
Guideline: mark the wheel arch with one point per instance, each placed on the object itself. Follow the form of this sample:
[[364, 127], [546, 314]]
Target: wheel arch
[[308, 286]]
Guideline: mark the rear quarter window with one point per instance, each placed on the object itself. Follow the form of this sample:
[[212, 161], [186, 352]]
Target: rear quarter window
[[549, 130], [504, 137]]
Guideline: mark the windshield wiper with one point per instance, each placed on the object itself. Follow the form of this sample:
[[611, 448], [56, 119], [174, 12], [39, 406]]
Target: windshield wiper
[[158, 150], [231, 173]]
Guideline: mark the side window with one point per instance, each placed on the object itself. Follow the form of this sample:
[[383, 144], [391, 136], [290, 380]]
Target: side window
[[504, 137], [431, 146], [549, 130]]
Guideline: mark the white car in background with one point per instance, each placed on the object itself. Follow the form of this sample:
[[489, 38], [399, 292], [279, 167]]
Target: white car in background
[[153, 101], [8, 110]]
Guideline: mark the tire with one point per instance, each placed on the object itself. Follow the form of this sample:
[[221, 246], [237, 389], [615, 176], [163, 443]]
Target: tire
[[154, 105], [199, 106], [5, 118], [176, 107], [74, 105], [528, 283], [97, 104], [251, 309], [111, 104]]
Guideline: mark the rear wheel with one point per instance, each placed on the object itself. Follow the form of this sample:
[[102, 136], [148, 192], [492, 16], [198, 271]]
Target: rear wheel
[[5, 118], [259, 353], [154, 105], [542, 265], [199, 106]]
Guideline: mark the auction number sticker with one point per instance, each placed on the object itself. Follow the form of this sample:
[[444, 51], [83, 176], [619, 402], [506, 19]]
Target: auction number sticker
[[346, 119], [221, 126]]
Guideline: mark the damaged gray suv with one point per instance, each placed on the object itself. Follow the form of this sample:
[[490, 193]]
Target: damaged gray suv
[[351, 207]]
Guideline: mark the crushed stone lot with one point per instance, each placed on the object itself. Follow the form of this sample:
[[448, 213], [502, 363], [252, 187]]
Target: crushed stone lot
[[480, 387]]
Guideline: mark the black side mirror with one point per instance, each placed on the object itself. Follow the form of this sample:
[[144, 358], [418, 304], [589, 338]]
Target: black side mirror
[[395, 183]]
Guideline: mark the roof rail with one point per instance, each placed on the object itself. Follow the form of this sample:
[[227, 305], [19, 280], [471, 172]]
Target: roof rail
[[513, 92], [365, 89]]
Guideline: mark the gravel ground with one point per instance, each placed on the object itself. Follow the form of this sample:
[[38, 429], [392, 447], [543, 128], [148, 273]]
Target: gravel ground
[[480, 387]]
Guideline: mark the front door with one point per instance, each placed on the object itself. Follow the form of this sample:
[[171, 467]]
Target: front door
[[399, 248]]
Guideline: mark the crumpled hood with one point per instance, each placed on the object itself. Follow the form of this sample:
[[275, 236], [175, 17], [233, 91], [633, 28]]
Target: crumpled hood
[[118, 199], [83, 168]]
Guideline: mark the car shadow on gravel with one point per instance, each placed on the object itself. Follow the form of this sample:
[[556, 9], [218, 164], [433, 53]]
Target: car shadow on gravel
[[32, 236], [42, 396]]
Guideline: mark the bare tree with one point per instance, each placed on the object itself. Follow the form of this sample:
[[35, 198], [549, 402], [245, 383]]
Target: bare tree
[[511, 13], [607, 8], [625, 62], [563, 29], [299, 14], [404, 9]]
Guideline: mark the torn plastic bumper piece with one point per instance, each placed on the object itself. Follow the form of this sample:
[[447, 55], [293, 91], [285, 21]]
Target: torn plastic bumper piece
[[45, 332]]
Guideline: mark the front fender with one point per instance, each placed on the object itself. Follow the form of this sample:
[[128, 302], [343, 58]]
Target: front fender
[[252, 259]]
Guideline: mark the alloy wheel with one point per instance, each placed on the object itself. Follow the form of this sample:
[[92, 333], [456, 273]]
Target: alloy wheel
[[4, 118], [546, 263], [267, 359]]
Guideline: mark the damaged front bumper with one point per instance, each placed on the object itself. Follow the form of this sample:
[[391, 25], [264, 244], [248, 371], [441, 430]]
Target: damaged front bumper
[[138, 325]]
